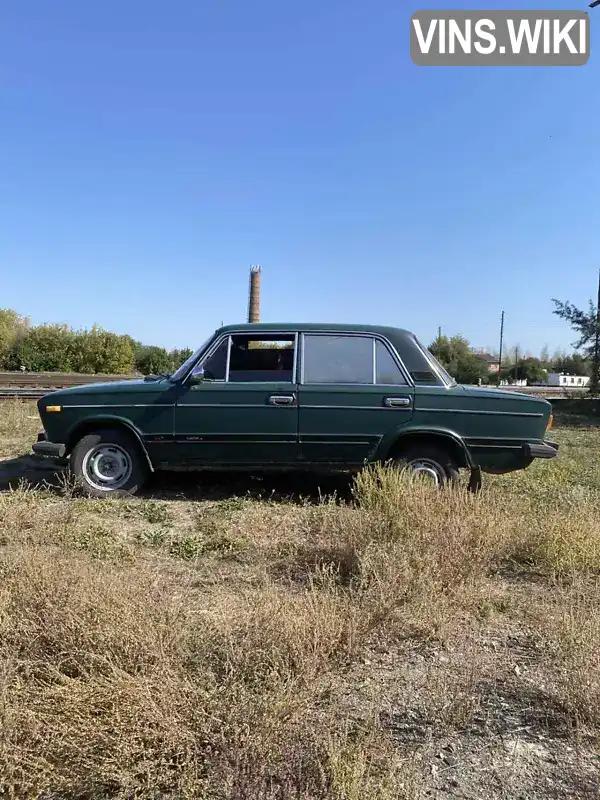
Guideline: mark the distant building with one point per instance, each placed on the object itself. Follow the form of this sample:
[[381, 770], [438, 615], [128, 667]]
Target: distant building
[[491, 361], [561, 379], [514, 382]]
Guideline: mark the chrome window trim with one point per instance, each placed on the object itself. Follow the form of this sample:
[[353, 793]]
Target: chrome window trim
[[228, 359], [374, 361], [295, 359], [484, 412], [410, 383], [357, 408], [125, 405]]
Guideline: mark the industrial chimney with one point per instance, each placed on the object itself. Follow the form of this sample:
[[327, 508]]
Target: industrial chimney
[[254, 298]]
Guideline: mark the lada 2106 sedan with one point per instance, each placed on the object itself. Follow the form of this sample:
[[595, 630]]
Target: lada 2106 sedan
[[290, 396]]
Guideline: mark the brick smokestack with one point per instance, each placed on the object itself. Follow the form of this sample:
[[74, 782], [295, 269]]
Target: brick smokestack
[[254, 298]]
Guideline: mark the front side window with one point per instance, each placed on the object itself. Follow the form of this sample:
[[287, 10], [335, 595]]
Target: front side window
[[255, 358], [214, 367], [242, 359], [183, 369]]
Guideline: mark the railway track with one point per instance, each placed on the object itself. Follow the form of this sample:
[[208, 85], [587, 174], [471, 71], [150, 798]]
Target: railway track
[[33, 385]]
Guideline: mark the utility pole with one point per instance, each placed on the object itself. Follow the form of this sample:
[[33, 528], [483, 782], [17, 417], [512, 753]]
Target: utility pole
[[517, 362], [501, 341], [595, 369]]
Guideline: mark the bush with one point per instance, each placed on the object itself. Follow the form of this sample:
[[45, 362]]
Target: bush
[[456, 356], [99, 351], [152, 361], [44, 348], [58, 348]]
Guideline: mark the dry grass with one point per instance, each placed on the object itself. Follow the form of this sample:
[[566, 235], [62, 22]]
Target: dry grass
[[19, 427], [242, 648]]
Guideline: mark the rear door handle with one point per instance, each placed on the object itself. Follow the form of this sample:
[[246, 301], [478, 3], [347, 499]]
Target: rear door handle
[[282, 399], [397, 402]]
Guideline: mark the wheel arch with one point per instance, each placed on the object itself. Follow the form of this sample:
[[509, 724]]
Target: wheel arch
[[448, 440], [86, 426]]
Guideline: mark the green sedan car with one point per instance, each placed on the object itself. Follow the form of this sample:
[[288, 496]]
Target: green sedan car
[[287, 396]]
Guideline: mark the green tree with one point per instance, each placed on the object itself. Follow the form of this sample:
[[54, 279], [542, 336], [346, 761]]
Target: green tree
[[460, 361], [153, 361], [574, 364], [97, 351], [179, 356], [44, 348], [545, 359], [585, 325], [529, 369], [13, 327]]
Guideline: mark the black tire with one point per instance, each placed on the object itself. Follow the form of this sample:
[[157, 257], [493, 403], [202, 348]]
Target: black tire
[[433, 459], [117, 445]]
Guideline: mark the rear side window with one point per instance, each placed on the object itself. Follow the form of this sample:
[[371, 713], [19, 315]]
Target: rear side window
[[387, 372], [338, 359], [349, 359]]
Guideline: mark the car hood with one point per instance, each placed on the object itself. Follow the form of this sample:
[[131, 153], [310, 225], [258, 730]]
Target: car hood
[[132, 386]]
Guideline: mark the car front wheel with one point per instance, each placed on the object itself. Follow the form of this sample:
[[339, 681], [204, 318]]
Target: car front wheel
[[430, 462], [108, 463]]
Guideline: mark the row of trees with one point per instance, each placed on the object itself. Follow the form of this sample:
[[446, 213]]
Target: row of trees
[[58, 348], [465, 366]]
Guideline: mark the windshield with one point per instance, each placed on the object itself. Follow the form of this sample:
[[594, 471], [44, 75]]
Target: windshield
[[445, 376], [181, 371]]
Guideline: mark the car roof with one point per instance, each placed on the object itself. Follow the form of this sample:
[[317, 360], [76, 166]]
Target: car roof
[[292, 327]]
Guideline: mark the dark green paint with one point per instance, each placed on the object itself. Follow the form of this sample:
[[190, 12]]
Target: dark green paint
[[210, 424]]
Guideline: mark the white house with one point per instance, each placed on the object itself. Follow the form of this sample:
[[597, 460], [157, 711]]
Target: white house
[[514, 382], [571, 381]]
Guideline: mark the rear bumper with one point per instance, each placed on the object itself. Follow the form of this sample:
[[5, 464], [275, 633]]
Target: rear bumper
[[541, 450], [45, 448]]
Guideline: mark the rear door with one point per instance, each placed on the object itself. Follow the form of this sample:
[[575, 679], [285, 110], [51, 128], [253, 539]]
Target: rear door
[[352, 391]]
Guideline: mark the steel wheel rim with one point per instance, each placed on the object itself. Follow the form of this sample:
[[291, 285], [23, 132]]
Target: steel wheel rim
[[428, 469], [107, 467]]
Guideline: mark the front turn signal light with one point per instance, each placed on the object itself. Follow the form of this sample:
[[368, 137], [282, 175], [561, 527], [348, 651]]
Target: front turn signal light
[[550, 421], [53, 408]]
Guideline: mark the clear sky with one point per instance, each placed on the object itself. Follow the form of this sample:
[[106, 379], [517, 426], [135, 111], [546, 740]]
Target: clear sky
[[150, 151]]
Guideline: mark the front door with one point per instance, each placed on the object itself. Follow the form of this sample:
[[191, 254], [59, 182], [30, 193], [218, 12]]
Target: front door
[[352, 392], [239, 407]]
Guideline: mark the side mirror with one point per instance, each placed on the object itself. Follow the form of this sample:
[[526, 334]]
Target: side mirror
[[196, 378]]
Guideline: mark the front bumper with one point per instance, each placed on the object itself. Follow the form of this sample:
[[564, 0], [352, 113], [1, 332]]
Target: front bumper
[[45, 448], [541, 450]]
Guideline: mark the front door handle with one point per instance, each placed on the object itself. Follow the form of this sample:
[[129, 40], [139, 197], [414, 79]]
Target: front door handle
[[397, 402], [282, 399]]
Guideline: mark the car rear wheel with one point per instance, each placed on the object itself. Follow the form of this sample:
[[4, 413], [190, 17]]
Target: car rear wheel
[[108, 463], [430, 462]]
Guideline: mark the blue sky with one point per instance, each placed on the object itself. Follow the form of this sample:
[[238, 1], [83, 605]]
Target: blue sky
[[151, 151]]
